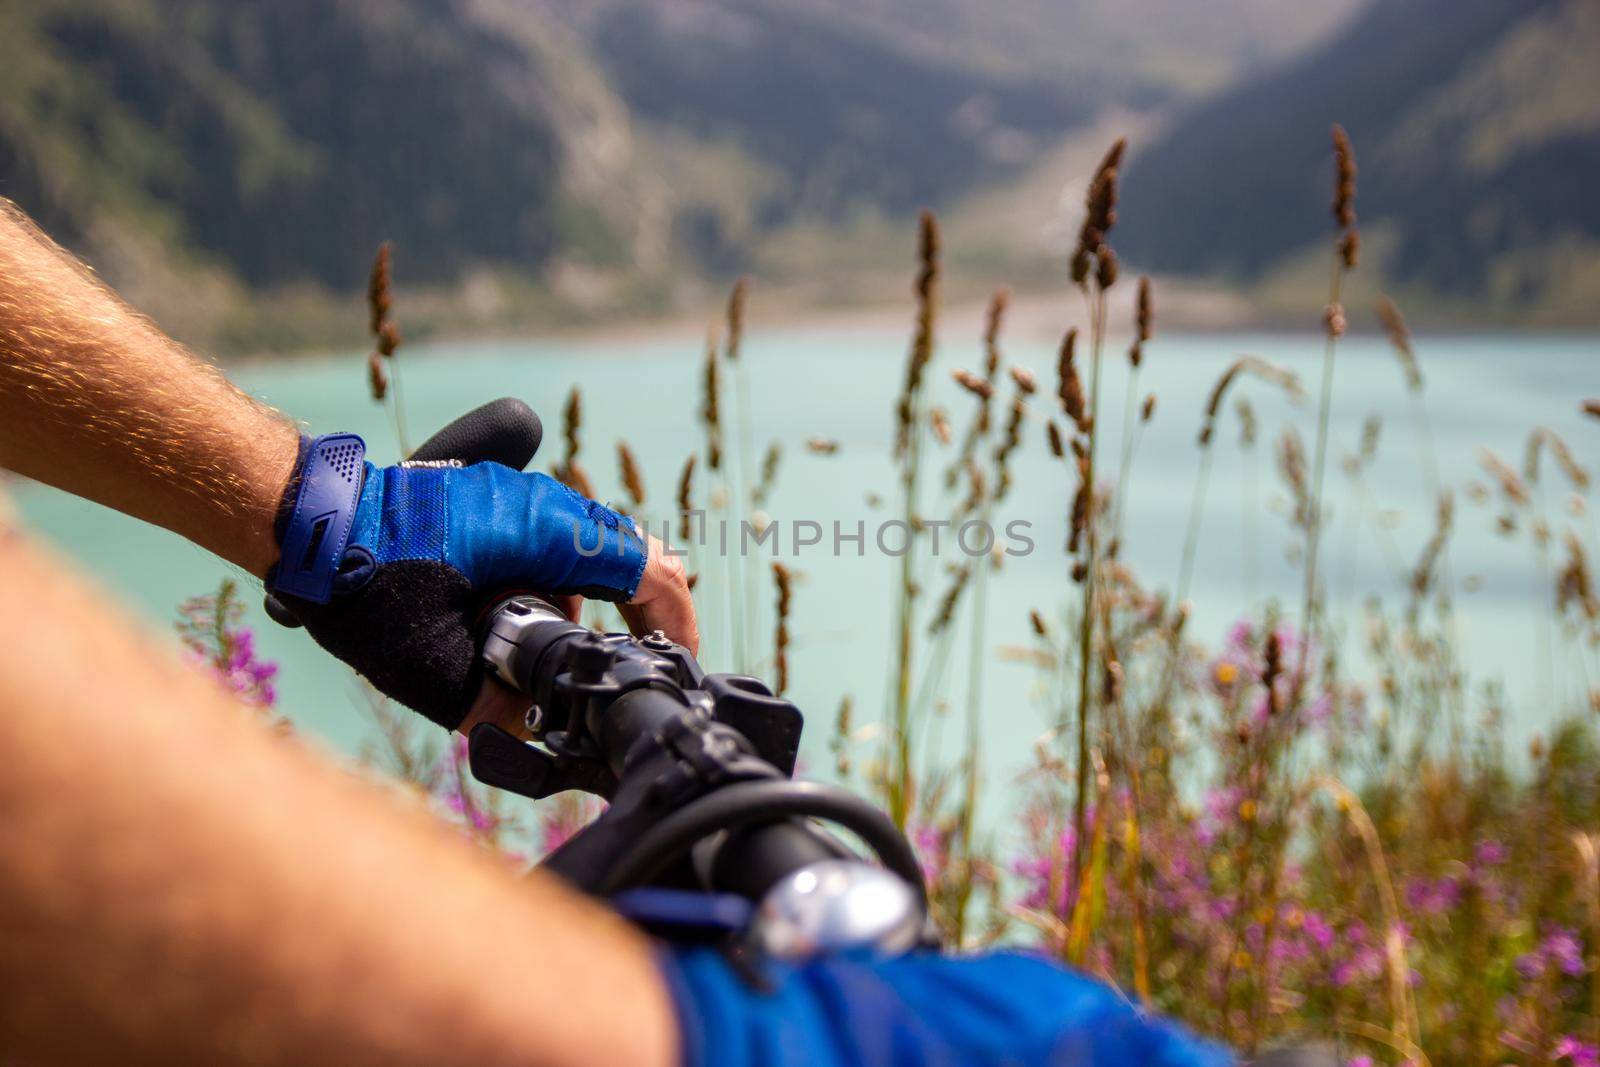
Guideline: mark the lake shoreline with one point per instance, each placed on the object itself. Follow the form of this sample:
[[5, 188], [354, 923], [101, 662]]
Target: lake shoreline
[[1034, 315]]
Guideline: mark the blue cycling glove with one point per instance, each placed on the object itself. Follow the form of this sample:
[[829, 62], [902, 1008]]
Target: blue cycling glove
[[921, 1010], [388, 568]]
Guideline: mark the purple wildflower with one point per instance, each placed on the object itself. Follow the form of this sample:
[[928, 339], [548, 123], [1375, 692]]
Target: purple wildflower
[[210, 629], [1318, 930], [1430, 896], [1490, 853], [1576, 1052], [1562, 948]]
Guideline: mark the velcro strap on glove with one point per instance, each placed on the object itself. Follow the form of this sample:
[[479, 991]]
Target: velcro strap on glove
[[325, 490]]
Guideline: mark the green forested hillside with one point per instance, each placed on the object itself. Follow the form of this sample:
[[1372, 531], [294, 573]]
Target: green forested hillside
[[1477, 128], [282, 140], [262, 149], [232, 165]]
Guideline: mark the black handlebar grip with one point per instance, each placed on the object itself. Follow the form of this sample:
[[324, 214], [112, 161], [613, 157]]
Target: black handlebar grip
[[501, 431]]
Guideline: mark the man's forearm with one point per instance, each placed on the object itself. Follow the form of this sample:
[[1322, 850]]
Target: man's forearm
[[179, 885], [97, 401]]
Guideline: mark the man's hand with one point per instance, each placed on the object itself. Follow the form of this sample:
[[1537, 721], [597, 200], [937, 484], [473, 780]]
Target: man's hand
[[96, 401], [390, 568], [663, 601]]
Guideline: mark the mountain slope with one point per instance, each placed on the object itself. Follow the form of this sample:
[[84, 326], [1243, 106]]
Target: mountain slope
[[283, 154], [1114, 51], [1477, 127], [262, 149], [847, 121]]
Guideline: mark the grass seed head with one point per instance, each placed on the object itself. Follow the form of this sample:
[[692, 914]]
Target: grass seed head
[[1292, 466], [1111, 683], [711, 405], [1575, 583], [973, 384], [1253, 365], [1106, 267], [1100, 215], [377, 377], [1344, 189], [686, 496], [783, 579], [1542, 438], [1511, 485], [1081, 503], [993, 321], [378, 298], [1144, 311], [1350, 249], [926, 288], [977, 487], [1036, 621], [1247, 421], [1333, 321], [1394, 325], [736, 297], [1272, 670], [946, 612], [575, 477], [388, 339], [769, 473], [632, 480], [571, 423], [1426, 570], [1069, 387]]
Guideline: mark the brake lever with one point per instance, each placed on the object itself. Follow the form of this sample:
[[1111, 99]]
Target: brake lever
[[500, 759]]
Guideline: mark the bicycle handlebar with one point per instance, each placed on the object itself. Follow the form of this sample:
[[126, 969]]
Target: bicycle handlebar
[[696, 768]]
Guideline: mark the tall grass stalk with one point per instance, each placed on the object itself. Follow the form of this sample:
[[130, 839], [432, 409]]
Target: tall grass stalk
[[908, 452], [1240, 367], [1252, 496], [1191, 535], [745, 579], [1588, 849], [1411, 368], [1094, 270], [1344, 259], [383, 366], [1402, 1004], [1090, 583], [977, 652], [1130, 420]]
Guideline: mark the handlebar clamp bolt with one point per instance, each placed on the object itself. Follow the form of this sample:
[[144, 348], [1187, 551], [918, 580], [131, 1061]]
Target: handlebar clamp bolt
[[591, 658]]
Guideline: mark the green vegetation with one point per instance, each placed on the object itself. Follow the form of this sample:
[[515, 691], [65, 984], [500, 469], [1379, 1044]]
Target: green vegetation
[[228, 167]]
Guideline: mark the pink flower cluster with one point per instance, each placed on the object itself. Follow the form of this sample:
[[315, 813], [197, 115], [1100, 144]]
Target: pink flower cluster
[[245, 673], [1258, 903], [210, 629]]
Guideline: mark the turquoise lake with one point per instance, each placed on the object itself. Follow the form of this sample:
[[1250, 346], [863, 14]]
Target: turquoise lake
[[839, 382]]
